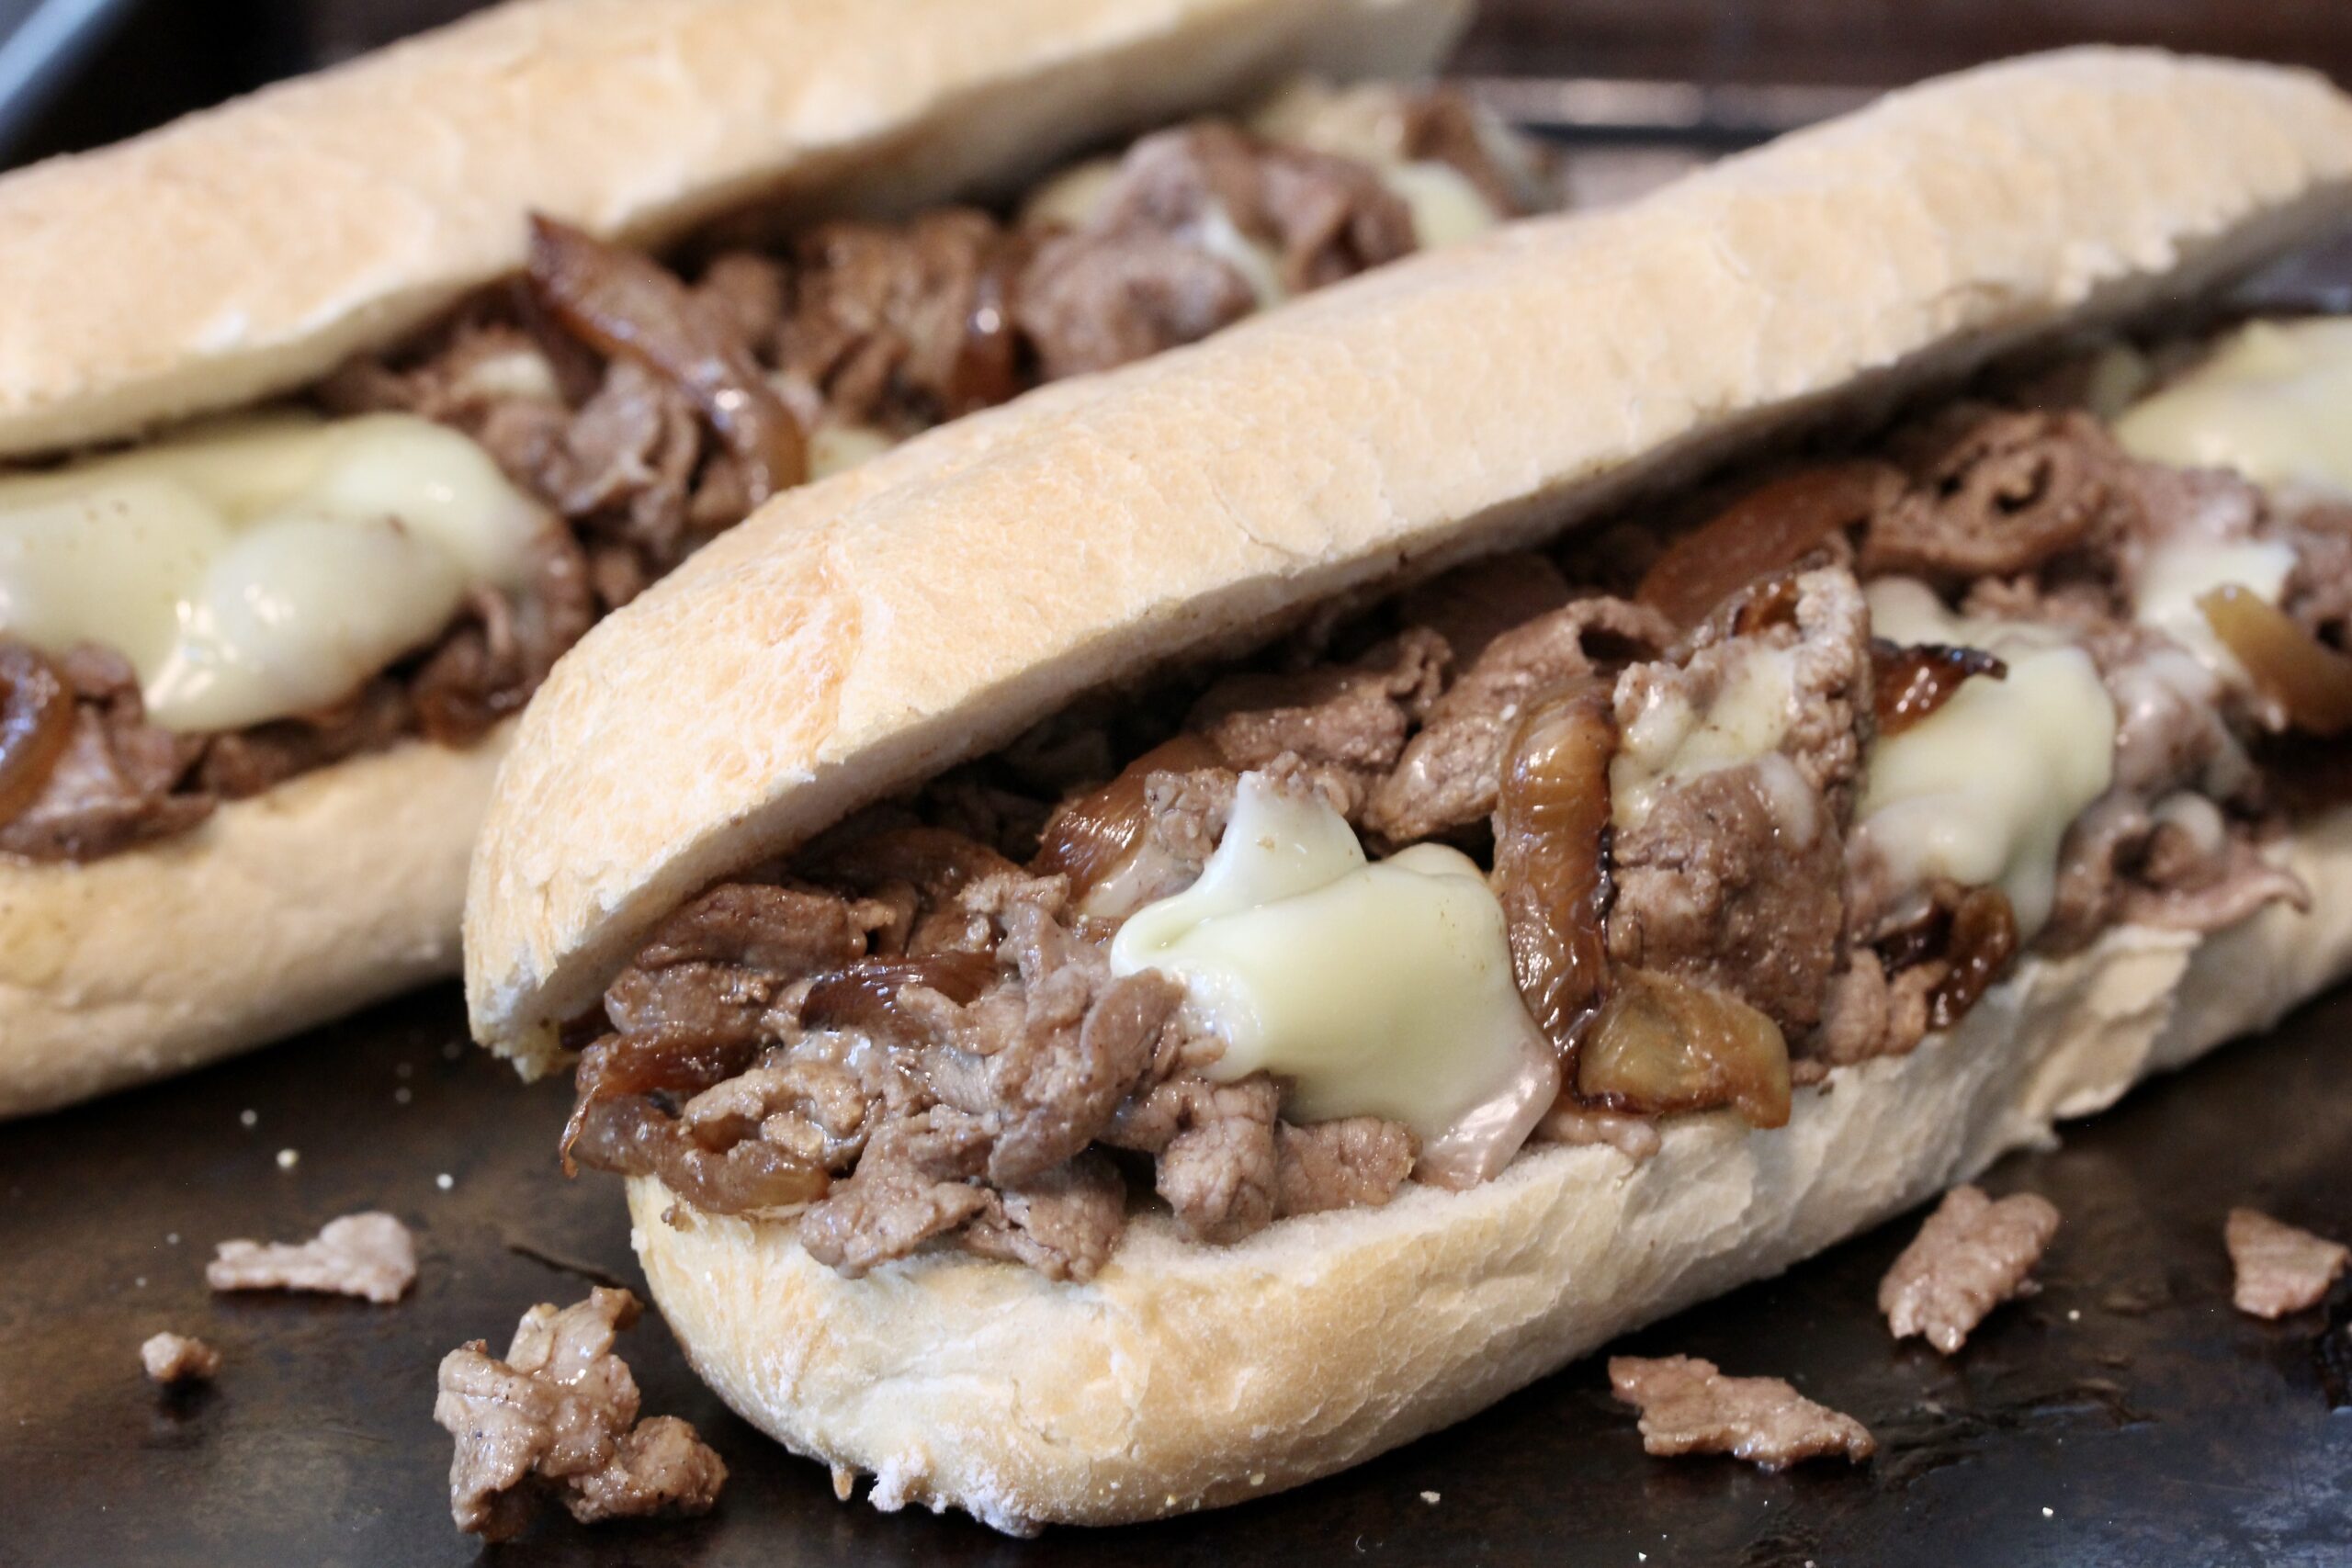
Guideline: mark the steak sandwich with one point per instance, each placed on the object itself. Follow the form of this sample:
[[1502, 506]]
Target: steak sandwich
[[1219, 918], [336, 415]]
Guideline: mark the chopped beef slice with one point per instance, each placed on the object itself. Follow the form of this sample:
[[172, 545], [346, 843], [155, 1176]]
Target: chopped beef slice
[[1140, 276], [1448, 126], [1063, 1223], [557, 1419], [1689, 1408], [2281, 1269], [487, 666], [239, 763], [1449, 771], [1995, 493], [914, 1181], [1064, 1046], [1357, 1162], [1970, 1256], [1220, 1170], [902, 325], [1328, 218], [1094, 302], [1635, 1137], [178, 1358], [116, 781], [369, 1255], [1731, 876], [1349, 722], [716, 966]]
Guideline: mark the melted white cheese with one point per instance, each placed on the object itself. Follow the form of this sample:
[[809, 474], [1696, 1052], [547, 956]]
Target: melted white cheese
[[1380, 989], [1983, 790], [262, 567], [2273, 401], [1072, 198], [2175, 576], [1670, 741]]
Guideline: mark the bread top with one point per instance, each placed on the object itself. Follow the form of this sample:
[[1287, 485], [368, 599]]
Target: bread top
[[856, 636], [244, 251]]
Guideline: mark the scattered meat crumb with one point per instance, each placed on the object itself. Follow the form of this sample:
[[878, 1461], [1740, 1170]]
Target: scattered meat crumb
[[844, 1482], [2280, 1268], [369, 1255], [179, 1358], [557, 1420], [1689, 1408], [1970, 1256]]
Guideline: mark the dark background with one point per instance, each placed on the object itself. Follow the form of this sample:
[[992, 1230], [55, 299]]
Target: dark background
[[2124, 1417]]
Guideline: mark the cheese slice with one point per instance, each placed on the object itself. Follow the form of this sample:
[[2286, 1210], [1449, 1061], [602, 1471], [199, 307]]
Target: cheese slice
[[261, 567], [1983, 790], [2273, 401], [1373, 989]]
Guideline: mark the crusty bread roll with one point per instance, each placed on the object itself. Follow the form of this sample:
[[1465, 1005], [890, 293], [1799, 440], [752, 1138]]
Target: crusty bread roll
[[845, 643], [242, 253], [1187, 1376]]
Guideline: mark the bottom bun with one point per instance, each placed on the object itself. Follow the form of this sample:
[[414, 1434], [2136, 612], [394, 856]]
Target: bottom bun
[[333, 890], [1187, 1376]]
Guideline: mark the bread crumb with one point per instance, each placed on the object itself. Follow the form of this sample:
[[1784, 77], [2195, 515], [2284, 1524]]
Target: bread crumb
[[1429, 1498], [177, 1358], [248, 1118], [445, 1181], [2048, 1513], [289, 1158]]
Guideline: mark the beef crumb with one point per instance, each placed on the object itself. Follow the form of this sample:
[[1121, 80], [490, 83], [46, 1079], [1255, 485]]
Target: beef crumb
[[369, 1255], [1970, 1256], [557, 1419], [1689, 1408], [178, 1358], [2280, 1268]]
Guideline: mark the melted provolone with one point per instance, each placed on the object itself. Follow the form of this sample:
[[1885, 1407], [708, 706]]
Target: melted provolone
[[1373, 989], [1983, 790], [2176, 575], [263, 567], [1671, 741], [2273, 401]]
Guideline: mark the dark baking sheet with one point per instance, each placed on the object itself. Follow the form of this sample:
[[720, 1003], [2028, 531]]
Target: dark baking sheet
[[2126, 1416]]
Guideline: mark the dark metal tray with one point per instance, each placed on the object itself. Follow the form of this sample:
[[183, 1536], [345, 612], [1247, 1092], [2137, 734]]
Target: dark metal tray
[[2125, 1415]]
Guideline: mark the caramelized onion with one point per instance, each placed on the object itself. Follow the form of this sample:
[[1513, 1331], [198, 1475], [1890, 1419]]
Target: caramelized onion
[[620, 302], [631, 1135], [668, 1058], [36, 722], [1086, 837], [987, 367], [1764, 531], [1551, 856], [1980, 940], [1664, 1044], [1912, 680], [861, 995], [2310, 680]]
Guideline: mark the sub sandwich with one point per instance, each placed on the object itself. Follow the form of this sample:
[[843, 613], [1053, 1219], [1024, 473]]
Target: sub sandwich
[[334, 416], [1214, 920]]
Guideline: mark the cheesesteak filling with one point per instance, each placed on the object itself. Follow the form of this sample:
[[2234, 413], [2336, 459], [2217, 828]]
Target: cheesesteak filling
[[1664, 822], [177, 622]]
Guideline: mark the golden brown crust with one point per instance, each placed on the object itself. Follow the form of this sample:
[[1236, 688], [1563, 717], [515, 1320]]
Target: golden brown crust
[[850, 639], [245, 251], [327, 893], [1365, 1328]]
